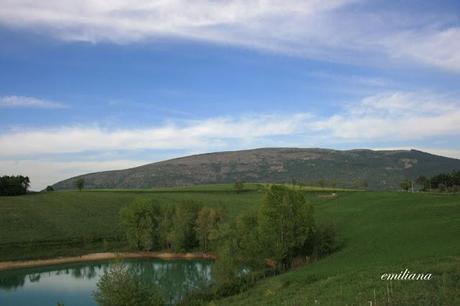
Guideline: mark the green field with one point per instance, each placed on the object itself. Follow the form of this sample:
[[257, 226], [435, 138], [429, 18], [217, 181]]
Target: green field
[[71, 222], [382, 232]]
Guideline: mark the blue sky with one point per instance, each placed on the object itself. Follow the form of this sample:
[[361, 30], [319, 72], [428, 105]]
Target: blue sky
[[94, 85]]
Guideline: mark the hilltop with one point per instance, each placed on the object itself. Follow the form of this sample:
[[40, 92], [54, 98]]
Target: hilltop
[[382, 169]]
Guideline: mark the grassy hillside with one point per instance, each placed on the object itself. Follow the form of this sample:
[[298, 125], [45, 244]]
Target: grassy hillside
[[380, 169], [382, 232], [73, 222]]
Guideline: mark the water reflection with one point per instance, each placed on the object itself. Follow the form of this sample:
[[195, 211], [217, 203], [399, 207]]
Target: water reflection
[[46, 286]]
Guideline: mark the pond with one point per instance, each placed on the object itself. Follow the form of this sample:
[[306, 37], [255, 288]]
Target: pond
[[73, 284]]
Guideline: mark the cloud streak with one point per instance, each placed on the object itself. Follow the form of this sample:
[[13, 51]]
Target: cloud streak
[[27, 102], [334, 29], [389, 116]]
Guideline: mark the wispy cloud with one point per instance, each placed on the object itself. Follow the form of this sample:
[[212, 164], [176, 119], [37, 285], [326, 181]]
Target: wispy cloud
[[393, 116], [334, 29], [388, 116], [209, 133], [28, 102]]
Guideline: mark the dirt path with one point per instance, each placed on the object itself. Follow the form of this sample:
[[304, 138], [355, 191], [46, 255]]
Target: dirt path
[[7, 265]]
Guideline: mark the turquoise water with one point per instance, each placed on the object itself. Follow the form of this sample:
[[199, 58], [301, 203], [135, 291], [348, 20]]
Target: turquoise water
[[73, 284]]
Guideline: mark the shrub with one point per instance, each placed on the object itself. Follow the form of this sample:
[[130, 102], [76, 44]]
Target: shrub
[[121, 287], [325, 241]]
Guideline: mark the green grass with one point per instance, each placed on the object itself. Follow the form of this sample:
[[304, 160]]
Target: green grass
[[382, 232], [72, 222]]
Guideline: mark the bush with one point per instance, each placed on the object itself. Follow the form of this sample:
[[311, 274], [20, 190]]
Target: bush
[[121, 287], [325, 241]]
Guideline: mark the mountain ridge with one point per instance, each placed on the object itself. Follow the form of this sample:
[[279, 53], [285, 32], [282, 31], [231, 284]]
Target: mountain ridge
[[380, 169]]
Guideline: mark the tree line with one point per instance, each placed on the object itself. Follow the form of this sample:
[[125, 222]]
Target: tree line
[[449, 182], [183, 227], [14, 185]]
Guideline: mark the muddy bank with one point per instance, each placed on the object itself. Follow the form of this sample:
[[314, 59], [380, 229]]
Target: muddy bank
[[7, 265]]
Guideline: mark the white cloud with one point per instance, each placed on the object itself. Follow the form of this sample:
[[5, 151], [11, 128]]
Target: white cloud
[[392, 116], [27, 102], [333, 29], [439, 48], [209, 133]]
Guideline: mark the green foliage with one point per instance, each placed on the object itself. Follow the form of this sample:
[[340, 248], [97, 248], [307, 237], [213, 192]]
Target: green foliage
[[445, 181], [14, 185], [285, 222], [238, 186], [278, 231], [122, 287], [184, 223], [207, 224], [49, 188], [80, 183], [406, 185], [182, 227], [139, 219], [227, 267], [423, 182], [323, 242]]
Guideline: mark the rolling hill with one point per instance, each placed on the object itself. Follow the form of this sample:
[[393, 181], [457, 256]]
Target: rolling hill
[[383, 169]]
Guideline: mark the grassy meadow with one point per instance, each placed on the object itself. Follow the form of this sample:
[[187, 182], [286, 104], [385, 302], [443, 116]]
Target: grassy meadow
[[381, 232]]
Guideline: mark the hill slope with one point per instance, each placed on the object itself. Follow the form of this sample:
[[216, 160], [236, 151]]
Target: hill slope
[[381, 169]]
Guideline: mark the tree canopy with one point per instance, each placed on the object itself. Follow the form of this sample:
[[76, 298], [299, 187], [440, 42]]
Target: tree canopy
[[14, 185]]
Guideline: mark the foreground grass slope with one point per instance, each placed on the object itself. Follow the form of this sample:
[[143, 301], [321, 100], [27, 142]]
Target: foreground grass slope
[[382, 232]]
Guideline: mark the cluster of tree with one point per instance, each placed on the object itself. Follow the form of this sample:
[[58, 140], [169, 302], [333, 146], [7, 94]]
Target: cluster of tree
[[183, 227], [279, 231], [266, 240], [14, 185], [441, 182]]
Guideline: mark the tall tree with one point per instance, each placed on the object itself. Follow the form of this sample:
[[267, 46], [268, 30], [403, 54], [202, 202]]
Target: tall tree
[[184, 223], [207, 222], [285, 222], [80, 183], [141, 224]]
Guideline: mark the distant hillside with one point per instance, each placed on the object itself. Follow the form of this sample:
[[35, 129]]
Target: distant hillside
[[380, 169]]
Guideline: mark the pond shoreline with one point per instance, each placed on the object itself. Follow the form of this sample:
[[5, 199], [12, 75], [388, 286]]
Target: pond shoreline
[[10, 265]]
